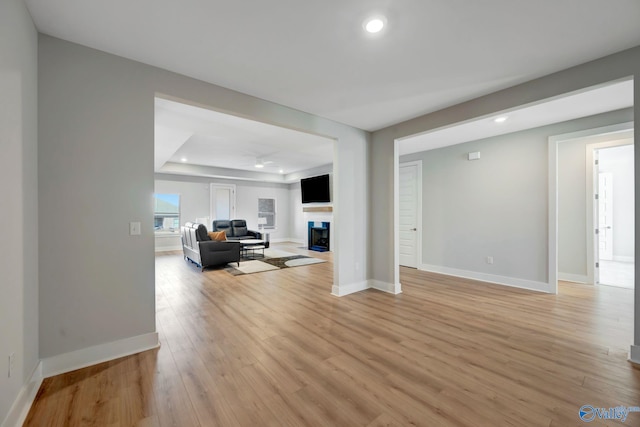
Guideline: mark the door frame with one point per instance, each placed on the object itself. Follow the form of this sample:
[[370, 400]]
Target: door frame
[[592, 242], [553, 142], [212, 205], [418, 164]]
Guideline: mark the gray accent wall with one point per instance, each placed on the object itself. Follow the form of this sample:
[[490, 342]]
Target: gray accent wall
[[96, 175], [18, 174], [498, 205]]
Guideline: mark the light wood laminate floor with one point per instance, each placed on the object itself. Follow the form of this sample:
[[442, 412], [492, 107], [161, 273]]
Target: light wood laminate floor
[[276, 349]]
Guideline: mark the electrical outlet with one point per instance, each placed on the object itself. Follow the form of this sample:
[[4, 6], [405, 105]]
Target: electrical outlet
[[12, 356], [489, 260]]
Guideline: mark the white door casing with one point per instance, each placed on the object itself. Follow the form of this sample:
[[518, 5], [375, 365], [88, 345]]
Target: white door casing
[[223, 201]]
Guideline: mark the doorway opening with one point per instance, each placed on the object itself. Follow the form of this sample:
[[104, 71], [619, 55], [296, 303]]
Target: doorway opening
[[613, 174], [573, 208], [223, 201], [224, 166]]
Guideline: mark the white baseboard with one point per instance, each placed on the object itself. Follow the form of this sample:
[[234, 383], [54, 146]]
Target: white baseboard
[[619, 258], [385, 286], [287, 239], [351, 288], [168, 248], [490, 278], [634, 355], [576, 278], [82, 358], [20, 408], [390, 288]]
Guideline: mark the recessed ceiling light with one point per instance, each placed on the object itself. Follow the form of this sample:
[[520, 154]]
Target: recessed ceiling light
[[281, 171], [374, 25], [184, 159], [501, 119], [259, 165]]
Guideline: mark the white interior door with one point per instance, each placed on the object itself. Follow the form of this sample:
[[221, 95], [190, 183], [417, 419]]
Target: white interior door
[[408, 186], [605, 216], [223, 201]]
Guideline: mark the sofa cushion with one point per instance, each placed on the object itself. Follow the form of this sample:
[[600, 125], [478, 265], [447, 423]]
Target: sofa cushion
[[222, 225], [218, 236], [201, 233], [239, 227]]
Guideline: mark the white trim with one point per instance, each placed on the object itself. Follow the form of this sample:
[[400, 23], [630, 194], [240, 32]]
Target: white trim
[[368, 284], [212, 202], [20, 408], [620, 258], [351, 288], [553, 191], [287, 240], [634, 355], [390, 288], [489, 278], [396, 212], [168, 248], [591, 207], [552, 232], [84, 357], [575, 278]]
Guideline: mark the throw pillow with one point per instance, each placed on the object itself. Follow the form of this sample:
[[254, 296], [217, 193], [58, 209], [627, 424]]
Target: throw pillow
[[219, 236]]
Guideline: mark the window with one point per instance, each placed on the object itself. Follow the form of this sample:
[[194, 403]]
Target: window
[[267, 209], [166, 213]]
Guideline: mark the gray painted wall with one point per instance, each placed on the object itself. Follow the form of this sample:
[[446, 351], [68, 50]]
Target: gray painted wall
[[498, 206], [383, 265], [96, 175], [18, 173]]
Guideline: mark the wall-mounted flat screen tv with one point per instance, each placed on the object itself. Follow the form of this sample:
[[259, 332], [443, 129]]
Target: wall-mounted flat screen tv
[[315, 189]]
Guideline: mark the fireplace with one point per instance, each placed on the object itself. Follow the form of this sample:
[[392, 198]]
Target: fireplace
[[318, 236]]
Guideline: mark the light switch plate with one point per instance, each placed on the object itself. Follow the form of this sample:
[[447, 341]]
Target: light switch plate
[[134, 228]]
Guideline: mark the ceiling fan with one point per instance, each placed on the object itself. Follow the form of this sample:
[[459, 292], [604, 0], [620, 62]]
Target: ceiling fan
[[261, 163]]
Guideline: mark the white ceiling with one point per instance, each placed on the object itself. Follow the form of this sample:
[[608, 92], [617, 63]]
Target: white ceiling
[[314, 56], [209, 138], [585, 103]]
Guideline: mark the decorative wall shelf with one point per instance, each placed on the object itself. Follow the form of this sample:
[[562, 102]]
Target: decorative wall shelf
[[317, 209]]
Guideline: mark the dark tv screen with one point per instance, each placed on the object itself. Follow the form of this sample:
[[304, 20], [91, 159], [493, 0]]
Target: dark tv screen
[[315, 189]]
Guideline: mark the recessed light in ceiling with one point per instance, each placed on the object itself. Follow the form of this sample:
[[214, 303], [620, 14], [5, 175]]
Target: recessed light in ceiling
[[184, 159], [374, 25], [281, 171], [501, 119], [259, 163]]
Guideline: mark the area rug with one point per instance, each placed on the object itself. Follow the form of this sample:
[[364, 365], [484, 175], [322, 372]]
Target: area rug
[[274, 259]]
